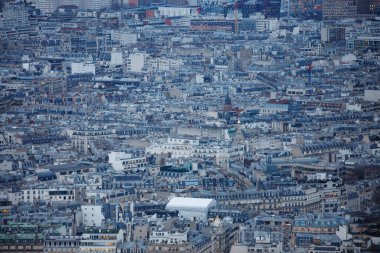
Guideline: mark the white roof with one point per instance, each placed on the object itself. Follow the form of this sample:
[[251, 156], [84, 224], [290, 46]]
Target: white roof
[[178, 203]]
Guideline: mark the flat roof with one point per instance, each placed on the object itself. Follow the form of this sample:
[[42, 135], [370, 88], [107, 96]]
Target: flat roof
[[68, 167], [196, 203]]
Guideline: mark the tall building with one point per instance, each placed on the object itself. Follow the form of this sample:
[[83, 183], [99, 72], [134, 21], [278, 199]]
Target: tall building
[[15, 15], [332, 34], [285, 8], [363, 6], [116, 4], [303, 7], [368, 6], [47, 6], [96, 4], [133, 3], [374, 6], [2, 5], [339, 9], [270, 8], [71, 2]]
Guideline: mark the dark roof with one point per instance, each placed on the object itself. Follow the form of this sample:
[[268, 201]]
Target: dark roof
[[321, 248], [68, 167], [45, 174], [134, 177], [278, 101]]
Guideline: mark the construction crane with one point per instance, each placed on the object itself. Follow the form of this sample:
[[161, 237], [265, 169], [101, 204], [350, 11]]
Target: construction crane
[[236, 16]]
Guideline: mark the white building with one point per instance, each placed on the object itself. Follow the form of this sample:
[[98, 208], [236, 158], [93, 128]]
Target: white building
[[82, 67], [266, 24], [175, 11], [267, 142], [185, 147], [191, 208], [357, 107], [110, 14], [168, 237], [164, 64], [263, 242], [136, 62], [82, 139], [175, 146], [124, 37], [116, 58], [92, 215], [101, 240], [121, 161], [30, 195], [51, 195], [199, 78], [49, 6], [372, 95], [222, 154], [274, 106]]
